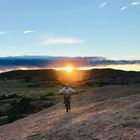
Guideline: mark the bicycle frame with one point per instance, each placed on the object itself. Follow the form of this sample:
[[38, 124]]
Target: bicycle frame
[[67, 102]]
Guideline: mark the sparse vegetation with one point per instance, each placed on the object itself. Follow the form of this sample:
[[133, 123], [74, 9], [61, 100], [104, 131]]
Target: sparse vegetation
[[24, 105], [1, 114], [50, 94], [21, 107], [13, 115], [2, 97], [26, 92], [18, 108]]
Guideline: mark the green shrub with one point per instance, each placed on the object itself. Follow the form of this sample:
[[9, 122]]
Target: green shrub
[[2, 97], [14, 104], [18, 108], [12, 96], [77, 92], [45, 96], [50, 94], [0, 113], [24, 105], [13, 115]]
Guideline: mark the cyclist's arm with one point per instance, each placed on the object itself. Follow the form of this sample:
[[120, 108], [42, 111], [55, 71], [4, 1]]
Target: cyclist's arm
[[61, 91], [72, 90]]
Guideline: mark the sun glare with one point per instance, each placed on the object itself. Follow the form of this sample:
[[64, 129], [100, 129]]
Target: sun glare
[[69, 68]]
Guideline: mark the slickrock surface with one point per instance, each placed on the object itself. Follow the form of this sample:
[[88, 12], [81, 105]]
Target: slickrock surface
[[99, 114]]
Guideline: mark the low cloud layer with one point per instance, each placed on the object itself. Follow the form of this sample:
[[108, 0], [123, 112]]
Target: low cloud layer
[[37, 62]]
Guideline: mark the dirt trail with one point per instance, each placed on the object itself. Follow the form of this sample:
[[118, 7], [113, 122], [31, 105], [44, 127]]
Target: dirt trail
[[99, 114]]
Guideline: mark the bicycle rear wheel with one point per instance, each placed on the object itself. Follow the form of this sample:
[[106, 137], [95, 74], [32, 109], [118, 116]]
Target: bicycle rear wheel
[[67, 104]]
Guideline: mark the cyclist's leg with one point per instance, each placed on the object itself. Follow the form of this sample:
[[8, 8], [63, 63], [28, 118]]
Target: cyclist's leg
[[69, 101], [64, 99]]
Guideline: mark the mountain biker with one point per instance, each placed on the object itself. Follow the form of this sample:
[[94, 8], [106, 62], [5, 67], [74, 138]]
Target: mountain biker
[[66, 90]]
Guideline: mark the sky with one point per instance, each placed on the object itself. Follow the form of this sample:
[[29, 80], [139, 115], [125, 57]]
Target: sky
[[107, 28]]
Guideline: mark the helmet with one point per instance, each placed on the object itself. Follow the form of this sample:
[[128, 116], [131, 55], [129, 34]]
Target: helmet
[[66, 85]]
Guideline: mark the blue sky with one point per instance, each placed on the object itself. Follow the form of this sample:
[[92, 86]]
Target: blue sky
[[108, 28]]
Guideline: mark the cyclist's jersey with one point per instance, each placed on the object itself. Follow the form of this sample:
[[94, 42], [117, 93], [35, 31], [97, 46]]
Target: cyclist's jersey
[[66, 90]]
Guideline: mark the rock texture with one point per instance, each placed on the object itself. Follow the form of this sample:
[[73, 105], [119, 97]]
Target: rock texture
[[98, 114]]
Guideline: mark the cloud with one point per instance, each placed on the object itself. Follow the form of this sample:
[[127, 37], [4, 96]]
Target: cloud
[[40, 62], [61, 40], [129, 57], [3, 33], [103, 4], [124, 8], [135, 3], [28, 31]]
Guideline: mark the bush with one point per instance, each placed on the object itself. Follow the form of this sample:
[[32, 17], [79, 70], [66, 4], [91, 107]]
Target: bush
[[18, 108], [50, 94], [24, 105], [12, 96], [0, 113], [77, 92], [2, 97], [45, 96], [14, 104], [13, 115]]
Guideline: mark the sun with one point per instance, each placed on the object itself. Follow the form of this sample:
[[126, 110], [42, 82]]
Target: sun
[[69, 68]]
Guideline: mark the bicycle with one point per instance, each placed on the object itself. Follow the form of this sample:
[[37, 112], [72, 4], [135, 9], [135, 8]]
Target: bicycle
[[67, 102]]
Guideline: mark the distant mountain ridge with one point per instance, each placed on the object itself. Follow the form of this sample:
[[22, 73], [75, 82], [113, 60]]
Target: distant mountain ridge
[[91, 77]]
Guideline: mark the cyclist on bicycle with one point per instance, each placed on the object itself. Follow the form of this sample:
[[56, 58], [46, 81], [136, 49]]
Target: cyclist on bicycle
[[66, 90]]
